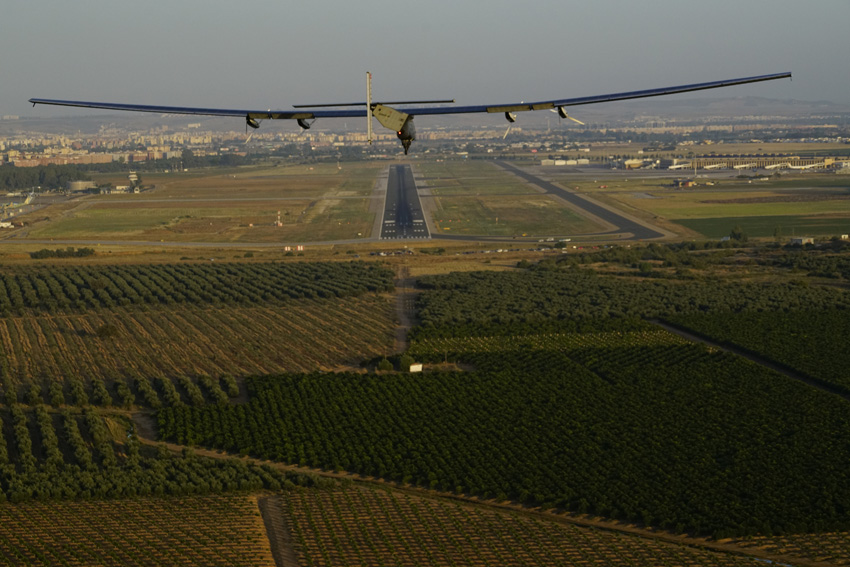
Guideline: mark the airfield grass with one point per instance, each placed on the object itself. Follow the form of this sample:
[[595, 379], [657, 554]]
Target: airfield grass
[[625, 184], [765, 226], [326, 219], [722, 204], [477, 198], [463, 178], [264, 181], [531, 215], [322, 202], [799, 204]]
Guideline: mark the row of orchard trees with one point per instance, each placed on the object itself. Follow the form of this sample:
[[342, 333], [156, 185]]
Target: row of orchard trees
[[86, 287], [45, 455], [675, 436], [143, 392], [511, 302]]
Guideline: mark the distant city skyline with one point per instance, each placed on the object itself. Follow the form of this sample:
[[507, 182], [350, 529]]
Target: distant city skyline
[[255, 54]]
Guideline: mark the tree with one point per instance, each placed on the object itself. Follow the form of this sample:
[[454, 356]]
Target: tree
[[738, 234], [55, 393], [34, 395], [405, 362], [107, 331]]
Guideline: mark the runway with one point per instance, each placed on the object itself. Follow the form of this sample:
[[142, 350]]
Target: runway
[[403, 217]]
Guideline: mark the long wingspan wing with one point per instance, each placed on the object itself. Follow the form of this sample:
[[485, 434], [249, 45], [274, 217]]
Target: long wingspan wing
[[308, 113], [547, 104], [255, 114]]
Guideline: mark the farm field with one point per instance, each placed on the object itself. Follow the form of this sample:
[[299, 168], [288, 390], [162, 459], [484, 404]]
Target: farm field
[[828, 548], [88, 454], [582, 424], [547, 387], [796, 340], [200, 530], [364, 526], [477, 198], [193, 341], [319, 202], [114, 324]]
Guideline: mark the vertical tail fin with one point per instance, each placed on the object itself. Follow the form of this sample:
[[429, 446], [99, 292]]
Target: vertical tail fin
[[369, 107]]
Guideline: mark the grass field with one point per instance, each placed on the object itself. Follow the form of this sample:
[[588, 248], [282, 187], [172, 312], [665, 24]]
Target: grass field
[[471, 178], [215, 221], [259, 181], [477, 198], [533, 215], [802, 204], [721, 204], [765, 226], [321, 202]]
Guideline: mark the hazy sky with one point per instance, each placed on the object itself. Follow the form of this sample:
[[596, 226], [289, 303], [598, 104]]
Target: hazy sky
[[262, 54]]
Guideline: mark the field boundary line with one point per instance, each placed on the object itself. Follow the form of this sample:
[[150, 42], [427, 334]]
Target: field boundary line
[[761, 360], [280, 540]]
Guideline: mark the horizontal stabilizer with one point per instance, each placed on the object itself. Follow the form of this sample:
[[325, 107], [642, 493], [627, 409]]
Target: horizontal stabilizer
[[447, 101]]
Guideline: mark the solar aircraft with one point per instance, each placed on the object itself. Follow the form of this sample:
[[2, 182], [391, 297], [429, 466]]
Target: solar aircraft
[[398, 115]]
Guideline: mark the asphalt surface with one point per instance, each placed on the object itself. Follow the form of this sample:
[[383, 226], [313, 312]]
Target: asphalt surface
[[623, 224], [403, 217]]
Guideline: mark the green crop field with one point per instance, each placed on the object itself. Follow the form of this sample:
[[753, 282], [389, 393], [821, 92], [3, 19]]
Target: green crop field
[[766, 226]]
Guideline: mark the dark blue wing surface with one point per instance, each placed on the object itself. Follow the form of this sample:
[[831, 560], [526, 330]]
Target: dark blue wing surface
[[261, 114], [308, 113], [546, 104]]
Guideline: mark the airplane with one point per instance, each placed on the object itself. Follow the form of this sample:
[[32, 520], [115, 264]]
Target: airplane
[[400, 120]]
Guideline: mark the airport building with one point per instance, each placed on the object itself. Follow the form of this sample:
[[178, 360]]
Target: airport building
[[757, 161]]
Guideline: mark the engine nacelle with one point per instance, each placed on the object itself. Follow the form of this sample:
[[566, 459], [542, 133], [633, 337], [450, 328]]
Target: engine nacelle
[[407, 133], [251, 122]]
